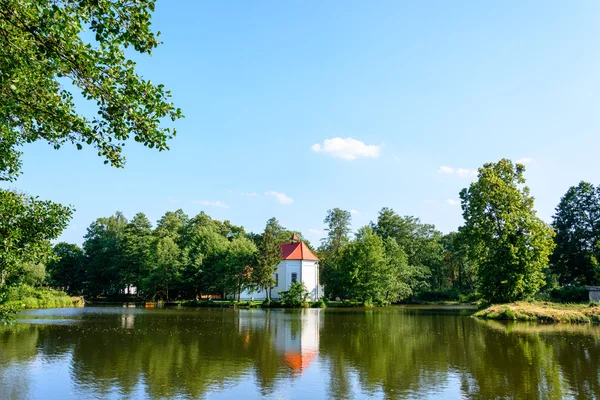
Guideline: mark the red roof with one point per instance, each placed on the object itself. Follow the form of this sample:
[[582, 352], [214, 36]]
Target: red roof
[[296, 251]]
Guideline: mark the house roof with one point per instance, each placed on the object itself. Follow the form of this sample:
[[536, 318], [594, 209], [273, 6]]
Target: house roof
[[296, 251]]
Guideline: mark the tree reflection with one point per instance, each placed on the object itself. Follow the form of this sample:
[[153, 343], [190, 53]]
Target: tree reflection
[[394, 352]]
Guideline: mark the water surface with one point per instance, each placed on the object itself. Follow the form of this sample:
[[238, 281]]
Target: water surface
[[396, 352]]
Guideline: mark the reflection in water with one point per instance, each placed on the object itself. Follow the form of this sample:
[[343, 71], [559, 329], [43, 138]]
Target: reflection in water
[[385, 353]]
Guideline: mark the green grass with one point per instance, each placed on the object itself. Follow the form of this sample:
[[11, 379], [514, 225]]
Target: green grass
[[26, 296], [542, 311]]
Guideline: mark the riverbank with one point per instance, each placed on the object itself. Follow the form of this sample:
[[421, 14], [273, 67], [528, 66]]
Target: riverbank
[[29, 297], [542, 312]]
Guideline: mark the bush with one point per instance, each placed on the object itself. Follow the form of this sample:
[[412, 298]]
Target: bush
[[25, 296], [439, 295], [570, 294], [296, 297]]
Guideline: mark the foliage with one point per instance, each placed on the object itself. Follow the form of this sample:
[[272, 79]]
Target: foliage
[[338, 236], [43, 52], [236, 266], [296, 296], [26, 226], [506, 239], [420, 242], [570, 294], [67, 271], [105, 259], [269, 257], [27, 296], [376, 273], [34, 274], [577, 224]]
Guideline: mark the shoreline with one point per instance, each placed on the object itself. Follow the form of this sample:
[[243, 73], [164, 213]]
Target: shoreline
[[545, 312]]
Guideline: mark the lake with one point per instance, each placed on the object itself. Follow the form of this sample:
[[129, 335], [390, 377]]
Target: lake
[[389, 353]]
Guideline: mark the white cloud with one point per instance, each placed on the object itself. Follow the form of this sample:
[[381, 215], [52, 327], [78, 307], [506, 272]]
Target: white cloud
[[347, 149], [429, 201], [316, 232], [462, 172], [172, 200], [524, 160], [354, 212], [281, 197], [453, 202], [217, 203]]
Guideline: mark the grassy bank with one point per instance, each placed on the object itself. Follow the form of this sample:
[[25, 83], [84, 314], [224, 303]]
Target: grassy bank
[[543, 312], [26, 296]]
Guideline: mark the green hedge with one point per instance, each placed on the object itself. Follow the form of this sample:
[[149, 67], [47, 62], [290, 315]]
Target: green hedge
[[570, 294]]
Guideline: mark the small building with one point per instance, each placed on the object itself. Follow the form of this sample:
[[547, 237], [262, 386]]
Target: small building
[[298, 263], [594, 293]]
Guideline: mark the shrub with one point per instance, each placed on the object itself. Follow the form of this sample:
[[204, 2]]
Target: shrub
[[296, 296], [570, 294], [439, 295]]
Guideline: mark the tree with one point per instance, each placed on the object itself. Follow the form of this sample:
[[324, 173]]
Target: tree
[[103, 247], [577, 224], [338, 230], [370, 274], [506, 239], [67, 271], [236, 266], [26, 227], [167, 254], [137, 243], [461, 272], [269, 257], [421, 243], [296, 296], [338, 237], [42, 45]]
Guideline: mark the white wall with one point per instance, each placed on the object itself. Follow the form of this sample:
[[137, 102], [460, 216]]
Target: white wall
[[310, 277], [285, 270]]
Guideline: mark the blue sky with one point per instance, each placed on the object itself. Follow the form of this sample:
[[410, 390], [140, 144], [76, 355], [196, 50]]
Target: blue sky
[[417, 85]]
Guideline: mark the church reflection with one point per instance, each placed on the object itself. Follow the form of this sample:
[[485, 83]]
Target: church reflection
[[294, 334]]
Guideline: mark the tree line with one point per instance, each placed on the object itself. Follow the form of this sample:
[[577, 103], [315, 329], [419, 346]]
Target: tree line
[[180, 258], [503, 252]]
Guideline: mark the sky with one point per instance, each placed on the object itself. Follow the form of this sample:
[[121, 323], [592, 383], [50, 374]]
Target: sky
[[296, 107]]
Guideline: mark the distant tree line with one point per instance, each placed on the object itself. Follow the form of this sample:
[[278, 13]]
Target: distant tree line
[[502, 253], [180, 258]]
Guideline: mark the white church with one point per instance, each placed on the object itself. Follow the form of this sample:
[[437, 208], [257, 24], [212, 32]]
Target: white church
[[298, 263]]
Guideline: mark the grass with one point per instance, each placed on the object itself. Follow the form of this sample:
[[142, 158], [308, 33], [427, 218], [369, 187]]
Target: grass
[[543, 312], [26, 296]]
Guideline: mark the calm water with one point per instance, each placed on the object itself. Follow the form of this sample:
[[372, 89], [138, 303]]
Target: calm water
[[306, 354]]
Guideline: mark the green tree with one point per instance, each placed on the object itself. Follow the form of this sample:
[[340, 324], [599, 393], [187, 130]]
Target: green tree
[[26, 227], [338, 237], [421, 243], [103, 247], [167, 255], [136, 243], [236, 266], [43, 45], [296, 296], [269, 257], [577, 224], [371, 276], [34, 274], [461, 272], [506, 239], [67, 271]]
